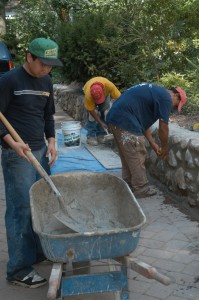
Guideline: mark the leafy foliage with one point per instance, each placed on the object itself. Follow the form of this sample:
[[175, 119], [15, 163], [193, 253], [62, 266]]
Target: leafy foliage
[[34, 18], [126, 41]]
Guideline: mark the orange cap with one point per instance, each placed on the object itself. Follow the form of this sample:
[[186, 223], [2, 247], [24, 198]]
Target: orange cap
[[183, 97], [97, 92]]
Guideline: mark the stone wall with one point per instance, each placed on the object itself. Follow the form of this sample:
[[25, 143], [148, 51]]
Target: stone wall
[[180, 173], [71, 100]]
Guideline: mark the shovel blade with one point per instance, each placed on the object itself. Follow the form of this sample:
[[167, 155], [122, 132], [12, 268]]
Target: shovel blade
[[67, 221]]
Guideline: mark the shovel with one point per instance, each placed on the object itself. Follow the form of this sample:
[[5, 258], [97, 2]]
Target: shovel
[[62, 214]]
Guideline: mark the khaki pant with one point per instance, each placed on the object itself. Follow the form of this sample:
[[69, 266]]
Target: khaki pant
[[132, 153]]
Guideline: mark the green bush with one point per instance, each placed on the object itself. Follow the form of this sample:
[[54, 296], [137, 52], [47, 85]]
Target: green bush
[[188, 84], [83, 47]]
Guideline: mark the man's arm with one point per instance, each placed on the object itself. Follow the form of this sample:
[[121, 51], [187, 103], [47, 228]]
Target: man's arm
[[97, 119], [111, 89], [153, 144], [16, 146], [163, 136], [51, 150]]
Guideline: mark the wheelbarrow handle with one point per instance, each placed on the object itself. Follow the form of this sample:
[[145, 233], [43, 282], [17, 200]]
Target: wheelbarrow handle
[[145, 270]]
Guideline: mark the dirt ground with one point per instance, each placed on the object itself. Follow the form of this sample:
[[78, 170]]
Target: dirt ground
[[187, 121]]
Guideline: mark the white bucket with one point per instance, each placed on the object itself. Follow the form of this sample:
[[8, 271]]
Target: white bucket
[[71, 133]]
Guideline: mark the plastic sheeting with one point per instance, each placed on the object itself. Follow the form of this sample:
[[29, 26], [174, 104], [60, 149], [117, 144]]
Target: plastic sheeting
[[77, 158]]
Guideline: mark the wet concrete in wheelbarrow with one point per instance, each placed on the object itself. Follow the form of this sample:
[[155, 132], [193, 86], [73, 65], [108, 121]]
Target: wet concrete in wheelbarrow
[[96, 202]]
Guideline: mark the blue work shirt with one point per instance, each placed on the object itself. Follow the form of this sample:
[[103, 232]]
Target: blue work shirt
[[139, 107]]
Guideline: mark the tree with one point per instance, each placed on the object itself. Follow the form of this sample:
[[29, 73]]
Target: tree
[[34, 18], [2, 17], [126, 41]]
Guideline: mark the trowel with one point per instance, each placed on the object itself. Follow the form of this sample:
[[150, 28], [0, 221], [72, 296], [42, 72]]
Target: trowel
[[108, 136], [62, 214]]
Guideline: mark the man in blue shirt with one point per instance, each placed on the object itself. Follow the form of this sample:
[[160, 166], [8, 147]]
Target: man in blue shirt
[[130, 119]]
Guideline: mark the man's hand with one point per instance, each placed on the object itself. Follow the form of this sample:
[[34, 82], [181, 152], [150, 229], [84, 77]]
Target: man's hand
[[151, 141], [97, 119], [103, 125], [20, 149], [163, 153], [51, 151], [156, 148]]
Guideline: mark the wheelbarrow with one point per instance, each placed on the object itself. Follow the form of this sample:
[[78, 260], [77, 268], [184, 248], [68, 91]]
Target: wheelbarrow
[[105, 205]]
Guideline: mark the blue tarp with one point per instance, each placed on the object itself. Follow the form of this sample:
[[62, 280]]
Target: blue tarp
[[76, 159]]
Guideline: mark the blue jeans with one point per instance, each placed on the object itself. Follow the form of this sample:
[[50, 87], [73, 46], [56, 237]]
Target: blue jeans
[[24, 248], [93, 128]]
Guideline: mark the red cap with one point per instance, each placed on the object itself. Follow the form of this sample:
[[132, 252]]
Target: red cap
[[97, 92], [183, 97]]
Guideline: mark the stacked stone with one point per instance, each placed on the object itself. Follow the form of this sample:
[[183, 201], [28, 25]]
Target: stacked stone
[[71, 100], [181, 172]]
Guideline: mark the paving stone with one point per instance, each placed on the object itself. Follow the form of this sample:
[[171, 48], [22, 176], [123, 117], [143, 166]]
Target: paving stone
[[192, 268], [184, 256], [175, 245], [2, 268], [169, 265], [161, 291], [136, 296], [147, 234], [138, 251], [135, 286], [173, 298], [187, 293], [185, 279], [158, 253], [164, 235], [132, 274], [157, 227], [3, 247], [152, 244], [181, 237], [147, 259]]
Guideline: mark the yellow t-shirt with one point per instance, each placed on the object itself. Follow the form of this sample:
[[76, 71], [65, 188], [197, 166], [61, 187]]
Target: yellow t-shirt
[[109, 89]]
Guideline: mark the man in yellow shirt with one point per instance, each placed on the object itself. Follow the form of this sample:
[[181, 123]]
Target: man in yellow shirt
[[99, 93]]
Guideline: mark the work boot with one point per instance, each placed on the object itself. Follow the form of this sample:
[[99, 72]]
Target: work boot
[[101, 139], [92, 141], [150, 192]]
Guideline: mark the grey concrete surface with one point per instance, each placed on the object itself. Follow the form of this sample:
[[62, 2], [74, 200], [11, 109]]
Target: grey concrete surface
[[169, 241]]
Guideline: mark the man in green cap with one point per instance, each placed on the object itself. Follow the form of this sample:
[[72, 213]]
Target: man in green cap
[[27, 103]]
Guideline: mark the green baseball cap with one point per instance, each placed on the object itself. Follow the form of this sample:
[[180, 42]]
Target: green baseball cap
[[46, 51]]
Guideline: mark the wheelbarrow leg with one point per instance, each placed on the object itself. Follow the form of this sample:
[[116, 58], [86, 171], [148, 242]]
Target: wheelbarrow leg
[[120, 295], [55, 281]]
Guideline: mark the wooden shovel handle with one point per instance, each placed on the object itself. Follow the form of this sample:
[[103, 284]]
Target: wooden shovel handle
[[17, 138], [29, 154]]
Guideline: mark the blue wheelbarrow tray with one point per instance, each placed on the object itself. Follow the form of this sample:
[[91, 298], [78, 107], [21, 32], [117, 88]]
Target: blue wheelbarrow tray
[[99, 201]]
